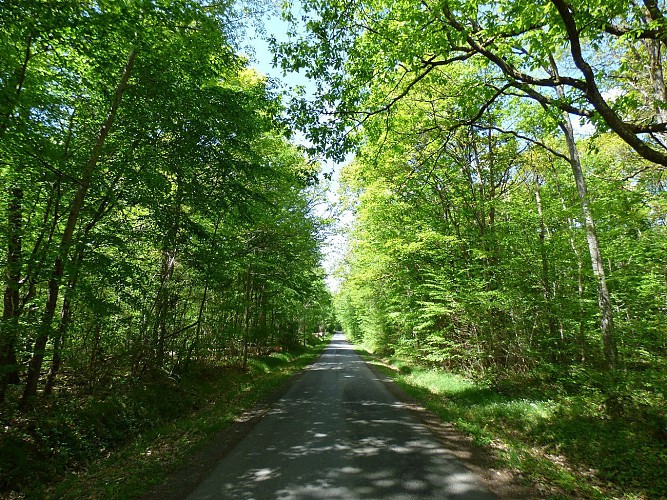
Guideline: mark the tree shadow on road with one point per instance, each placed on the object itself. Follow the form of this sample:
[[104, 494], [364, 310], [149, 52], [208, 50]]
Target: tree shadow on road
[[341, 435]]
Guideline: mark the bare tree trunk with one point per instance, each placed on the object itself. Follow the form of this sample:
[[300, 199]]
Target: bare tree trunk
[[59, 340], [66, 310], [604, 301], [194, 347], [165, 296], [261, 324], [8, 335], [609, 348], [53, 286], [653, 15], [9, 373], [247, 314], [163, 304]]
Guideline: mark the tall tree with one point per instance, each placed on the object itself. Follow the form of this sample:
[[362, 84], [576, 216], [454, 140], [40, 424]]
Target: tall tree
[[139, 153], [372, 57], [350, 47]]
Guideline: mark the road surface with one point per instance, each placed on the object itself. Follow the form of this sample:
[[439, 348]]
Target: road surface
[[339, 433]]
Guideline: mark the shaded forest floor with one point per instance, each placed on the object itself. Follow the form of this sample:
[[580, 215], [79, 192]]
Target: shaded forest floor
[[560, 438], [121, 442]]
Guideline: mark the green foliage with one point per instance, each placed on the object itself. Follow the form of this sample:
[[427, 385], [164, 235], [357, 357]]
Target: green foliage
[[504, 49], [472, 248], [135, 426], [468, 249], [155, 220], [554, 431], [468, 254], [194, 182]]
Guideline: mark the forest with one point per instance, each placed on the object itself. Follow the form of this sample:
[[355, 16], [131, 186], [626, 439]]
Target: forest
[[506, 180], [509, 191], [156, 218]]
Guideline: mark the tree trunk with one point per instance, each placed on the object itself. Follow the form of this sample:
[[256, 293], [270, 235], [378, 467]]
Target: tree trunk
[[163, 304], [165, 298], [66, 311], [604, 301], [652, 15], [262, 323], [9, 369], [9, 373], [609, 349], [194, 348], [53, 286], [247, 314], [59, 340]]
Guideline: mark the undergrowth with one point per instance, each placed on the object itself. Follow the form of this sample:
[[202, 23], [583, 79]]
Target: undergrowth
[[556, 430], [119, 442]]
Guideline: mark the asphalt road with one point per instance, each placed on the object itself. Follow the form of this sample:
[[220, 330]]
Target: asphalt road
[[339, 433]]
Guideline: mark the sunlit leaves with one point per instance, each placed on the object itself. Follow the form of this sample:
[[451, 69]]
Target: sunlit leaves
[[193, 184]]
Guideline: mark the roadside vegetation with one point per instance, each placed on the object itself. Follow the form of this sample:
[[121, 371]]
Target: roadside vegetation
[[120, 443], [555, 434], [509, 196], [509, 202], [156, 226]]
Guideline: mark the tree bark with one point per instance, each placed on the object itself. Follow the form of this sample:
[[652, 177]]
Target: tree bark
[[53, 286], [652, 15], [593, 94], [165, 300], [66, 310], [59, 340], [604, 301], [9, 369], [246, 315], [609, 348]]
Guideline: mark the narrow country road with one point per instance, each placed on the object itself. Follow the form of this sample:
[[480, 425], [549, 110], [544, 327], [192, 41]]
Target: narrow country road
[[339, 433]]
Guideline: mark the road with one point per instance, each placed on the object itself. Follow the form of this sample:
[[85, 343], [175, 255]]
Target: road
[[339, 433]]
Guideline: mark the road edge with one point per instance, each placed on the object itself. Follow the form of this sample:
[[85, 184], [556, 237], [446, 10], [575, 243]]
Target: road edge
[[503, 483], [185, 478]]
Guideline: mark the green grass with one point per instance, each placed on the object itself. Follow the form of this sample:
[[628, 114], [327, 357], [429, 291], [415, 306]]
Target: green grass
[[564, 441], [119, 444]]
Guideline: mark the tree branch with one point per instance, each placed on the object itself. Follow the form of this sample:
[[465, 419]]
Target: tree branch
[[529, 139], [593, 94]]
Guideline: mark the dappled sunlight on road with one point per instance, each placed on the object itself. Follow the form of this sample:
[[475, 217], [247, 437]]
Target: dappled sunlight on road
[[338, 433]]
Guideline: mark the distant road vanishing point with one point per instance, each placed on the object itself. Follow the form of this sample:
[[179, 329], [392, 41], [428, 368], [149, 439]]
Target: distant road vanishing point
[[339, 433]]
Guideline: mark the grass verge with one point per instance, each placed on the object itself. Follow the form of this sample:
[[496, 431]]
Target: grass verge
[[565, 443], [120, 445]]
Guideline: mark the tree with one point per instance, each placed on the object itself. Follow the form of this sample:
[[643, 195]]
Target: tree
[[142, 161], [483, 57], [450, 224], [349, 48]]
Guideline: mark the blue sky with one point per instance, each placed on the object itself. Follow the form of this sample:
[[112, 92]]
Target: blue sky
[[262, 59]]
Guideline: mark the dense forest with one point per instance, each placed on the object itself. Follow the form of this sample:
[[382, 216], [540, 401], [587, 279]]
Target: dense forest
[[509, 193], [155, 216], [508, 186], [509, 183]]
